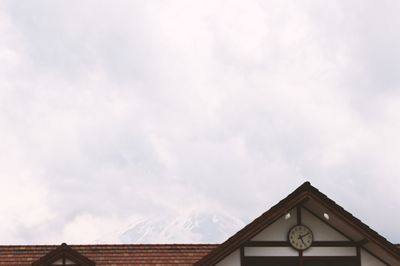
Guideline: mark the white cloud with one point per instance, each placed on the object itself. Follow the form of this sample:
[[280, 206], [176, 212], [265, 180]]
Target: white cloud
[[134, 108]]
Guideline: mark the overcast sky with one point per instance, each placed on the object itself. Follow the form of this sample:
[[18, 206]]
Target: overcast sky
[[115, 110]]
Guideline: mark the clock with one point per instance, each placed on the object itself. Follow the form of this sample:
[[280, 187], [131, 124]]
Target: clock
[[300, 237]]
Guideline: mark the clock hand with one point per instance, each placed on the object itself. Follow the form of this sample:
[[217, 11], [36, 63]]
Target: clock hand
[[305, 235], [301, 238]]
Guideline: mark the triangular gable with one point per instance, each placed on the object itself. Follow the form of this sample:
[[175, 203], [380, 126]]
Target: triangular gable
[[311, 198], [64, 255]]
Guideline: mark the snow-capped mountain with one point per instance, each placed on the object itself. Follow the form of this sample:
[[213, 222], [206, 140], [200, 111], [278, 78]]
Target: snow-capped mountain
[[189, 227]]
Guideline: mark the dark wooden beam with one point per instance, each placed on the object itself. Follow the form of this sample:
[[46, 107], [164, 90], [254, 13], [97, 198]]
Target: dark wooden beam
[[242, 256], [314, 244]]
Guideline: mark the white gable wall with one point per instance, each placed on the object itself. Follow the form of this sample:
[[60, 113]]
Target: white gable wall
[[232, 260], [321, 231], [278, 231], [330, 251], [369, 260], [270, 251]]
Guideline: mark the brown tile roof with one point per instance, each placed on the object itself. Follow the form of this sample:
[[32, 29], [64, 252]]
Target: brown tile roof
[[116, 255]]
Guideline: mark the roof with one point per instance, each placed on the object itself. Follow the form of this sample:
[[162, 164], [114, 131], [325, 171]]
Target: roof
[[184, 254], [117, 255], [302, 194], [192, 254], [62, 254]]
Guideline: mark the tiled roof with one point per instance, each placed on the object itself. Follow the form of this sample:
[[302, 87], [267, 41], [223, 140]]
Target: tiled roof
[[116, 255]]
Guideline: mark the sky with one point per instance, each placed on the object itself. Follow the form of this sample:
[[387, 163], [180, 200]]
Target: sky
[[111, 111]]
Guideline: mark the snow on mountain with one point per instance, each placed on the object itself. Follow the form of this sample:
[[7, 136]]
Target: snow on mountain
[[193, 226]]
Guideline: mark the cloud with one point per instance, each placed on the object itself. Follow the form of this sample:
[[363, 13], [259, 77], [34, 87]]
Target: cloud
[[131, 109]]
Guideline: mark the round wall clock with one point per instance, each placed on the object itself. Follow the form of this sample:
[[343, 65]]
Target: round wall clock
[[300, 237]]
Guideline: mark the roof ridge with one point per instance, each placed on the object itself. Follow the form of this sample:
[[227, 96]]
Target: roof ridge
[[111, 245]]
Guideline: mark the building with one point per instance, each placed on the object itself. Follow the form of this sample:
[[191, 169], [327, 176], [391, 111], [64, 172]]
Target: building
[[306, 229]]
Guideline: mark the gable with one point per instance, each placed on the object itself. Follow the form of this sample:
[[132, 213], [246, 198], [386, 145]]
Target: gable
[[277, 231], [64, 255], [337, 234]]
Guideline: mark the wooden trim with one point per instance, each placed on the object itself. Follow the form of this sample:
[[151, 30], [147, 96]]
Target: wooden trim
[[361, 243], [252, 229], [298, 214], [357, 225], [358, 256], [296, 260], [299, 218], [331, 258], [267, 244], [242, 256], [301, 258], [314, 244], [334, 244]]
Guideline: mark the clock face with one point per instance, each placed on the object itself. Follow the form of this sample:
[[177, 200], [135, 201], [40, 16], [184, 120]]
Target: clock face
[[300, 237]]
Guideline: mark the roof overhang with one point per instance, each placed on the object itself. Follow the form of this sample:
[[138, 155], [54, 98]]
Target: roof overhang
[[318, 203]]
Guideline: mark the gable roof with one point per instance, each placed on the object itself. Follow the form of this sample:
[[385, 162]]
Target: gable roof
[[302, 194], [117, 255], [63, 252]]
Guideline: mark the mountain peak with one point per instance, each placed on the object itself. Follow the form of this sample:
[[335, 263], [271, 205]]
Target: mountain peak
[[191, 226]]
